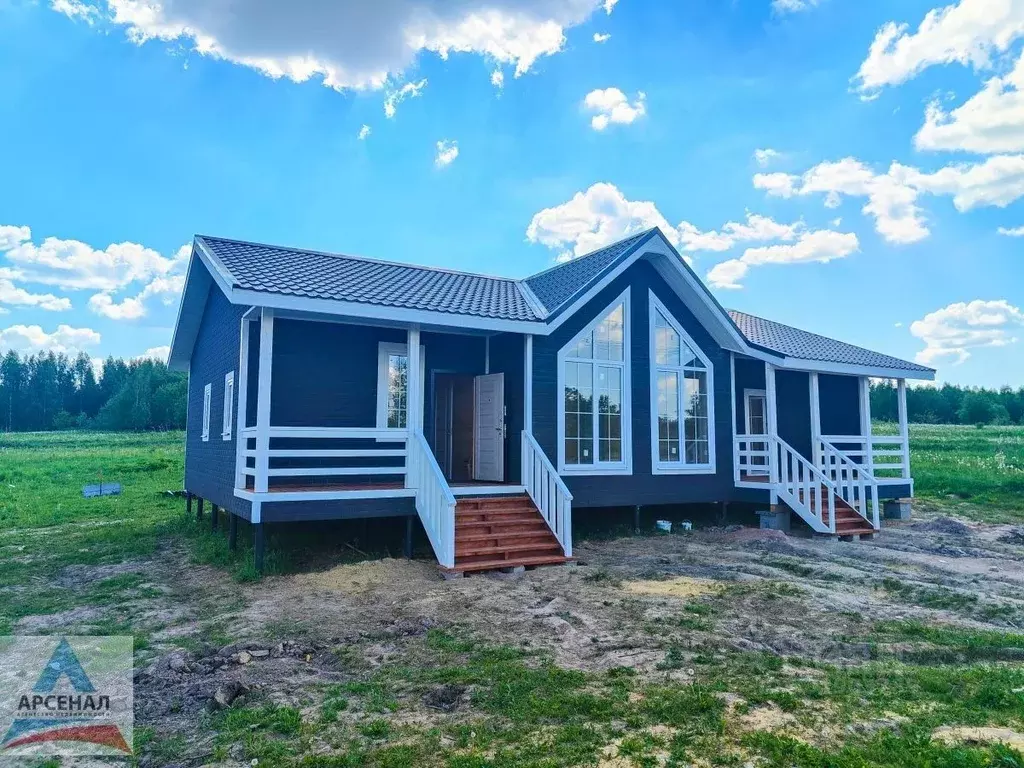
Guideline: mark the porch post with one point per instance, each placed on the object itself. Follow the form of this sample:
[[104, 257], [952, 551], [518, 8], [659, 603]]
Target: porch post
[[773, 430], [414, 384], [242, 386], [901, 400], [528, 386], [865, 423], [263, 400], [815, 418]]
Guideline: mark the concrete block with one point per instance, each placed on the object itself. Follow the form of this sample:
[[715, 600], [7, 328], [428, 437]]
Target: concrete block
[[779, 520], [897, 509]]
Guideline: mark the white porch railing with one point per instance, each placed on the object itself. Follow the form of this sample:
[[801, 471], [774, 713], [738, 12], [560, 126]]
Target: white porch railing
[[548, 492], [886, 457], [750, 463], [435, 503], [854, 484], [804, 487], [319, 463]]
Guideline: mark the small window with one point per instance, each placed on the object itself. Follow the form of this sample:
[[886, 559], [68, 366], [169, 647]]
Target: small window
[[393, 384], [207, 392], [229, 404]]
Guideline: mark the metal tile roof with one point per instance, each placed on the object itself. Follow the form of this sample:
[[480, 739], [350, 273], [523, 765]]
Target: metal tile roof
[[556, 286], [803, 345], [313, 274]]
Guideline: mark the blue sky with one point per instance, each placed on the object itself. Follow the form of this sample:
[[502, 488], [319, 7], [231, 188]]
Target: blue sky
[[896, 154]]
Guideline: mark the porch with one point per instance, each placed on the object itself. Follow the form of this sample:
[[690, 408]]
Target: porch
[[807, 439], [332, 412]]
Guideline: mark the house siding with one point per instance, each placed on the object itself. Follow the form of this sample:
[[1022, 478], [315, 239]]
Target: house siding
[[642, 486], [210, 464]]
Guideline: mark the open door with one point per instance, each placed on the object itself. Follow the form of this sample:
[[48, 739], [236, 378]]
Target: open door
[[489, 428]]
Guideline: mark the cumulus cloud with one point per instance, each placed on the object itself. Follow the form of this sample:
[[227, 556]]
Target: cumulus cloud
[[602, 37], [159, 354], [991, 121], [398, 95], [349, 44], [969, 32], [764, 157], [793, 6], [447, 151], [1012, 231], [31, 339], [13, 296], [612, 106], [756, 229], [75, 9], [821, 246], [364, 132], [162, 290], [498, 79], [10, 236], [951, 333]]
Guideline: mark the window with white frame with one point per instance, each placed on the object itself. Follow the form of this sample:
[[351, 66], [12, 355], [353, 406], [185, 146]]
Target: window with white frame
[[682, 428], [229, 404], [207, 394], [393, 384], [594, 398]]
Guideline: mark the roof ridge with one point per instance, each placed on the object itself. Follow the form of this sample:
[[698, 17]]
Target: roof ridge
[[367, 259], [620, 241]]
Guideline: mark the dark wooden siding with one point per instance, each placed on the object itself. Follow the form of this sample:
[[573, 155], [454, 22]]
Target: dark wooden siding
[[793, 395], [749, 375], [210, 465], [840, 404], [642, 487]]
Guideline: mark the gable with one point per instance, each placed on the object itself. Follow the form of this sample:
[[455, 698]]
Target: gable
[[198, 282]]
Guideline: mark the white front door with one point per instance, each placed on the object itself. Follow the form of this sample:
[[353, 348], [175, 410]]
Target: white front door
[[756, 409], [489, 428]]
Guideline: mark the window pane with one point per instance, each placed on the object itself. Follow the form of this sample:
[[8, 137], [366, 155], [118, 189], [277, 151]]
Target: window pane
[[609, 389], [668, 415], [584, 347], [666, 341], [398, 390], [579, 413], [609, 335]]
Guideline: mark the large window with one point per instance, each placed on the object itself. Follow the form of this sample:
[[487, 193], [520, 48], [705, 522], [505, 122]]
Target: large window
[[594, 377], [393, 385], [682, 429]]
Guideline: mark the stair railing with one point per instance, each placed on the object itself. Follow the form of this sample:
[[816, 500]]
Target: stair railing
[[435, 502], [853, 482], [804, 487], [548, 492]]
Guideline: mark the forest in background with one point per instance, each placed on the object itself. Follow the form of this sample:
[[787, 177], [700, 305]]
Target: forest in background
[[53, 391]]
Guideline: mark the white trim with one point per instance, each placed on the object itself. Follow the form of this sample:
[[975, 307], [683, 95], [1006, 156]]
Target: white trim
[[207, 398], [773, 430], [659, 467], [415, 385], [282, 496], [242, 443], [751, 468], [845, 369], [814, 393], [901, 405], [531, 298], [624, 467], [384, 350], [865, 422], [263, 400], [229, 405]]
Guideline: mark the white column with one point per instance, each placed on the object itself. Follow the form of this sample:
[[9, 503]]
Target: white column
[[242, 386], [773, 429], [528, 385], [414, 412], [263, 399], [901, 401], [865, 423], [815, 418]]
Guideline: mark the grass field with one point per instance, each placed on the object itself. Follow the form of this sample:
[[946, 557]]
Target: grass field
[[934, 651]]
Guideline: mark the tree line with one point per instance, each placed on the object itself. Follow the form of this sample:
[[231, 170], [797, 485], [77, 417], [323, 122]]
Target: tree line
[[53, 391], [950, 404]]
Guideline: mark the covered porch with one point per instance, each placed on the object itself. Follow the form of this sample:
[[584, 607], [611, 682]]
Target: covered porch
[[331, 411], [806, 437]]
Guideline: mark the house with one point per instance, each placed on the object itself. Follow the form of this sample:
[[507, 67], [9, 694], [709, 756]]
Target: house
[[493, 410]]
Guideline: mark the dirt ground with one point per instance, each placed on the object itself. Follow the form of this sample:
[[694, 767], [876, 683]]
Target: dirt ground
[[282, 639]]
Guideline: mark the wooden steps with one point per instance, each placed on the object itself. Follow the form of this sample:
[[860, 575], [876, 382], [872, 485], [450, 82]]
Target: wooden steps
[[494, 532], [848, 520]]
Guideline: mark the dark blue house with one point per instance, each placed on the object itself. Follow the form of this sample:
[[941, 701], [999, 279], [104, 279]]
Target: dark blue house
[[325, 386]]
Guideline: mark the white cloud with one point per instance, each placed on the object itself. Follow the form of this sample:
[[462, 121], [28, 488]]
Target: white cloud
[[608, 5], [953, 331], [602, 37], [968, 32], [75, 9], [793, 6], [447, 151], [159, 354], [991, 121], [12, 295], [756, 229], [764, 157], [593, 219], [396, 97], [612, 106], [127, 309], [998, 181], [364, 132], [351, 44], [72, 264], [164, 290], [11, 236], [821, 246], [1012, 231], [498, 79], [30, 339]]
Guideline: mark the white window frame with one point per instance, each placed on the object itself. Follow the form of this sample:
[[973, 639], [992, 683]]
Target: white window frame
[[384, 350], [624, 467], [207, 397], [229, 405], [659, 467]]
